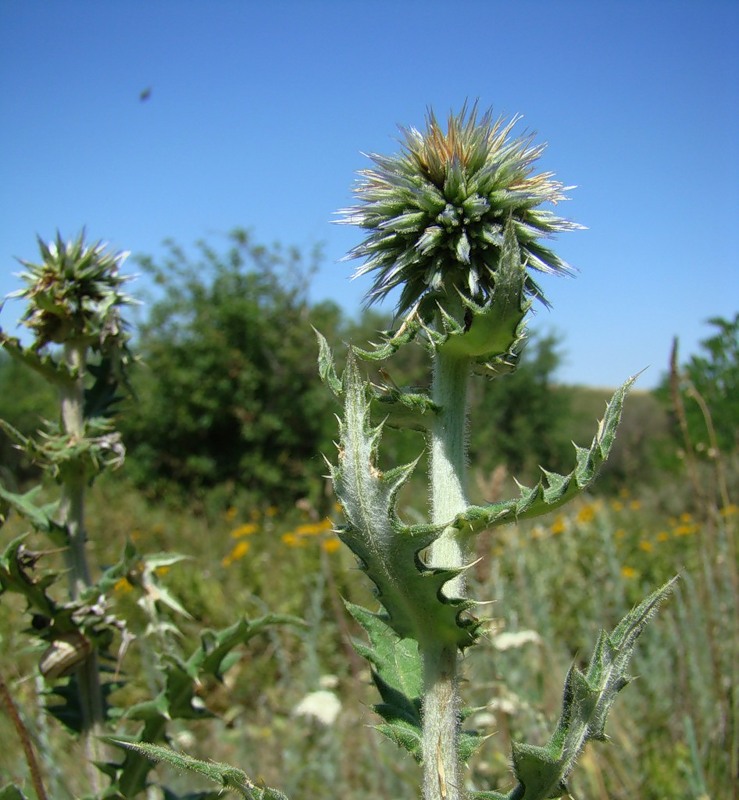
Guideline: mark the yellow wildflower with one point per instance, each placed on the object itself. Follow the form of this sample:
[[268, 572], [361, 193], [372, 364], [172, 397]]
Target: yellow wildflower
[[244, 530], [559, 525], [586, 514], [122, 585], [646, 546], [628, 572], [240, 549], [230, 514], [291, 540], [331, 545]]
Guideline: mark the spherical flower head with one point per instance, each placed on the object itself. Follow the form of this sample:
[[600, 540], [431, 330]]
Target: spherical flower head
[[74, 294], [437, 212]]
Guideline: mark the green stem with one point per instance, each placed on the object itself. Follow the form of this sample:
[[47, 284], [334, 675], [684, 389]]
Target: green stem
[[72, 506], [72, 511], [441, 704]]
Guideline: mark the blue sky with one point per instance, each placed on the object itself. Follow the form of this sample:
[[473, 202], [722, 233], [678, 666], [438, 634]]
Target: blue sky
[[260, 111]]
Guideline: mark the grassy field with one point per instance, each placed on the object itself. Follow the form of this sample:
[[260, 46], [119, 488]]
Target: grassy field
[[554, 584]]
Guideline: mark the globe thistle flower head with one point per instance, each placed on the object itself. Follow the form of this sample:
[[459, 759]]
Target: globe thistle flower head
[[75, 294], [436, 212]]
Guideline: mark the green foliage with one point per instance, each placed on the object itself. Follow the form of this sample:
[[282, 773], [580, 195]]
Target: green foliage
[[227, 392], [453, 222], [397, 672], [228, 778], [30, 401], [74, 301], [709, 381], [11, 793], [588, 697], [553, 490], [386, 547]]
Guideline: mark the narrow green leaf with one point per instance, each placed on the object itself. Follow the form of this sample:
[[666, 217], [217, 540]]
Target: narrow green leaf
[[41, 517], [553, 490], [588, 697], [228, 778], [326, 368]]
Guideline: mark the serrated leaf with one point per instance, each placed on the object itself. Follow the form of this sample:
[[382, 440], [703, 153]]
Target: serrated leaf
[[41, 517], [408, 410], [14, 577], [181, 678], [392, 340], [43, 364], [588, 697], [397, 672], [388, 549], [226, 777], [396, 661], [553, 490], [326, 367], [215, 646]]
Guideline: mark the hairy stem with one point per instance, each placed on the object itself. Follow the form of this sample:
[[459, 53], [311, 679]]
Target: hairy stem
[[442, 772], [72, 398], [72, 508]]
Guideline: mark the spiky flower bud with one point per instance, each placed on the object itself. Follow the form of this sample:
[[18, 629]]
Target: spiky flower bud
[[437, 211], [75, 294]]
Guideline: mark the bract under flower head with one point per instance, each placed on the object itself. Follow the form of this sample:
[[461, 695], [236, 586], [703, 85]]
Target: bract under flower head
[[437, 211]]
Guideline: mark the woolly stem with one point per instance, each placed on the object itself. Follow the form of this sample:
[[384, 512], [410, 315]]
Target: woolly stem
[[441, 703], [72, 511]]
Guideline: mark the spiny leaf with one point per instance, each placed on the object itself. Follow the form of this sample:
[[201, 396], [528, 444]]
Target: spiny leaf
[[393, 340], [15, 565], [405, 409], [44, 364], [387, 548], [326, 367], [553, 490], [588, 696], [397, 672], [41, 517], [215, 646], [401, 408], [227, 777]]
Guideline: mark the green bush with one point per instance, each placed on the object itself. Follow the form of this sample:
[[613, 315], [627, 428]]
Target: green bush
[[226, 349]]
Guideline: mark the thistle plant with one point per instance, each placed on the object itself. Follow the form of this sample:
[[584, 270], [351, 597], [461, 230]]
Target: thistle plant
[[75, 301], [455, 223]]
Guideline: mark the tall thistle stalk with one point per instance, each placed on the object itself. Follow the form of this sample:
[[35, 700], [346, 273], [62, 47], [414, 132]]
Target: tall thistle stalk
[[74, 299], [454, 223]]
